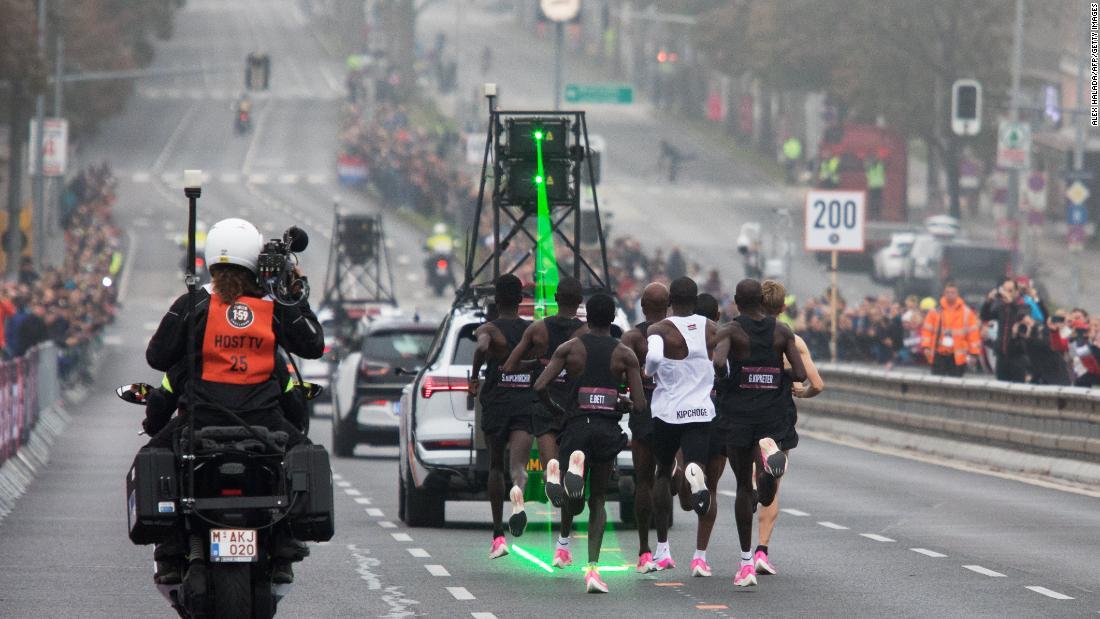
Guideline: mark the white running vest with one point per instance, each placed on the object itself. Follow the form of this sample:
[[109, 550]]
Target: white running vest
[[684, 385]]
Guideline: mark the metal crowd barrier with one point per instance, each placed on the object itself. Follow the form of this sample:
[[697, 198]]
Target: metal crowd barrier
[[28, 385], [1061, 421]]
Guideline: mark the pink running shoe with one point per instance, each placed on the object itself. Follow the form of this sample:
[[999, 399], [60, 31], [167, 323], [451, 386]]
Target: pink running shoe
[[499, 547], [746, 577], [562, 558], [665, 563], [645, 563], [699, 568], [763, 566], [592, 581]]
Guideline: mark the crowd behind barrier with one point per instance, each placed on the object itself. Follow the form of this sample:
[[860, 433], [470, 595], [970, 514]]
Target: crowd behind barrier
[[51, 322]]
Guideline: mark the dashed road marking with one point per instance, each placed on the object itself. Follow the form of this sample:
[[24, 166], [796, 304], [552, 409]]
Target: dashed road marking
[[668, 584], [460, 593], [112, 340], [419, 553], [386, 524], [1049, 593], [711, 606], [140, 177], [375, 512], [344, 484], [793, 512], [984, 571], [352, 492], [363, 500], [315, 179], [337, 476], [928, 553], [876, 537], [258, 179], [230, 178], [483, 615], [833, 525], [288, 179], [437, 570], [150, 326], [401, 537]]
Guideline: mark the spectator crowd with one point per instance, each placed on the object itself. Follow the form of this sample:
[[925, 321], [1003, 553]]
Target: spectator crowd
[[70, 304]]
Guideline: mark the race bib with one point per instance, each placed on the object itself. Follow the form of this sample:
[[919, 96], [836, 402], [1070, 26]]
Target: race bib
[[760, 378], [597, 399], [516, 381]]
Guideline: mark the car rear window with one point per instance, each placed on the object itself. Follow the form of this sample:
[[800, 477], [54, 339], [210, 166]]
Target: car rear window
[[985, 263], [464, 349], [397, 346]]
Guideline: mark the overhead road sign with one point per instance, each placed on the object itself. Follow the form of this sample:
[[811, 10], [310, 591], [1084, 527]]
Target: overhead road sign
[[599, 93]]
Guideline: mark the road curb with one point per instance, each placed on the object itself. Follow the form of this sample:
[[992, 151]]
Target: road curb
[[18, 473], [1050, 470]]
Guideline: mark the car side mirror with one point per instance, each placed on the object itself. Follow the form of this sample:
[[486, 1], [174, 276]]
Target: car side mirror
[[136, 393]]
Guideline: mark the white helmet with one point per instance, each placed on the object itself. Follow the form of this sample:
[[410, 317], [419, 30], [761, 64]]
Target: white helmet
[[233, 241], [439, 228]]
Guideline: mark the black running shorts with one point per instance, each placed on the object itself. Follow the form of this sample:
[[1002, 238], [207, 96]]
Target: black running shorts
[[600, 438], [498, 423], [693, 438], [544, 422], [740, 432], [641, 427]]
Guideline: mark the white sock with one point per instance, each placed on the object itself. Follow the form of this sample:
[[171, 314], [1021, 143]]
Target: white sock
[[746, 557], [662, 550], [563, 543], [701, 554]]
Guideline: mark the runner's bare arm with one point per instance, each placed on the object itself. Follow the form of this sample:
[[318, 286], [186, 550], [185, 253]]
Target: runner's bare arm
[[798, 368], [481, 351], [817, 385], [557, 363], [633, 373], [712, 336], [721, 351]]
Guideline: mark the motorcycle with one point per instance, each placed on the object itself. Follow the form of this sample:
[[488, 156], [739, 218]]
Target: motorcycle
[[231, 504], [244, 122], [439, 273]]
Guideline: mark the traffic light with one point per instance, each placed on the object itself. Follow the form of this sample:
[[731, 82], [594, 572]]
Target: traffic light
[[257, 71], [966, 107], [531, 144]]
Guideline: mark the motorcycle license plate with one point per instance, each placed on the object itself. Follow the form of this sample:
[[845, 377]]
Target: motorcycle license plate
[[233, 546]]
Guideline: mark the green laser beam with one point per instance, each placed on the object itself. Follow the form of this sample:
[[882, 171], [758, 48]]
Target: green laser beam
[[546, 262], [532, 558]]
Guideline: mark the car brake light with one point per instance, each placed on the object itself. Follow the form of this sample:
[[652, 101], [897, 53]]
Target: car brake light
[[432, 384], [447, 444], [328, 349], [231, 492], [441, 264]]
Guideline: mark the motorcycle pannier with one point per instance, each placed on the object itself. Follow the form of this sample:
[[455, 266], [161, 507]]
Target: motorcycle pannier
[[309, 478], [152, 495]]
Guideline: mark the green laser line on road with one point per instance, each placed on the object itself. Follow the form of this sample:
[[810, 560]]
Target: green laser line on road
[[532, 558]]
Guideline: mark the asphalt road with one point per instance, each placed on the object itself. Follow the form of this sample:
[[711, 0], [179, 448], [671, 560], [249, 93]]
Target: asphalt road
[[844, 547]]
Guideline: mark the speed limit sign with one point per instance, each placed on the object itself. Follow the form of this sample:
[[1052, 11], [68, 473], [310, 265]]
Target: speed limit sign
[[834, 221]]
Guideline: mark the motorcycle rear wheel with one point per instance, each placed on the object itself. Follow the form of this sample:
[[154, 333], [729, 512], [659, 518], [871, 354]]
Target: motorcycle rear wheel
[[232, 584]]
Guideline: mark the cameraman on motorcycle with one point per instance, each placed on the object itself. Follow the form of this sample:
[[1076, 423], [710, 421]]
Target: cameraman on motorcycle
[[438, 263], [237, 330]]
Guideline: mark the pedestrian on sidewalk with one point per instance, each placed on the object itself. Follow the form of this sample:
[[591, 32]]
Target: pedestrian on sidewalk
[[950, 336]]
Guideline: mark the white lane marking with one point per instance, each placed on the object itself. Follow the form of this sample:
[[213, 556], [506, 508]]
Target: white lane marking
[[1049, 593], [344, 484], [150, 326], [374, 512], [363, 500], [112, 340], [928, 553], [257, 131], [419, 553], [140, 177], [258, 179], [158, 163], [315, 179], [833, 525], [740, 193], [337, 476], [876, 537], [728, 493], [984, 571], [793, 512], [170, 179], [333, 83], [352, 492], [437, 570], [230, 178], [288, 179], [483, 615], [401, 537], [386, 524], [460, 593]]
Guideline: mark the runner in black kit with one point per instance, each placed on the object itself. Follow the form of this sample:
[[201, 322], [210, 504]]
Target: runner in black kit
[[534, 351], [506, 405], [679, 356], [752, 405], [597, 364], [654, 308]]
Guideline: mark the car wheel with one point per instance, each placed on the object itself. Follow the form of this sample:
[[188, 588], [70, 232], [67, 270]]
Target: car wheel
[[423, 508], [342, 444]]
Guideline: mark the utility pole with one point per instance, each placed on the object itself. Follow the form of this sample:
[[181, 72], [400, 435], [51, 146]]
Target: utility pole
[[38, 215], [1079, 144], [1014, 116], [559, 36]]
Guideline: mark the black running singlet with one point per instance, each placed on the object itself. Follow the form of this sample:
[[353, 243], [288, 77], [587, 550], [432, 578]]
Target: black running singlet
[[596, 390], [507, 389], [558, 331], [755, 388]]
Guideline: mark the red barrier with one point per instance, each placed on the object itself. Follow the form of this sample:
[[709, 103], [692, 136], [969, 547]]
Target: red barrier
[[18, 402]]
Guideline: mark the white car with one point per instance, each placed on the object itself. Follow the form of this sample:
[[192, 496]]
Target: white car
[[442, 453], [317, 371], [889, 262]]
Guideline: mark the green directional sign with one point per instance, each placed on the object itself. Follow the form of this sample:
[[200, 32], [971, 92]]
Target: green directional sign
[[599, 93]]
